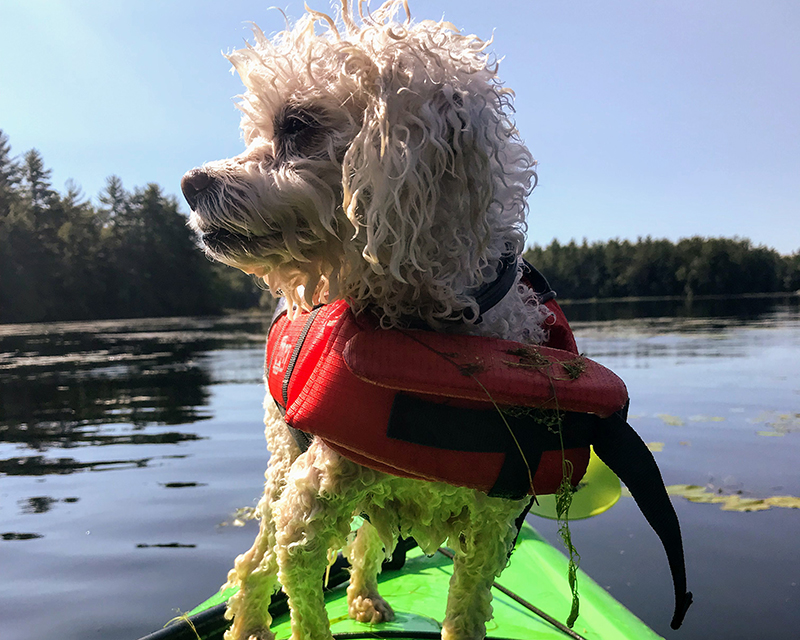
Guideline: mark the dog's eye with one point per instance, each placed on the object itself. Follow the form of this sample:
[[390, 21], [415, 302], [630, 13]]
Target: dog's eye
[[295, 122], [299, 131], [293, 125]]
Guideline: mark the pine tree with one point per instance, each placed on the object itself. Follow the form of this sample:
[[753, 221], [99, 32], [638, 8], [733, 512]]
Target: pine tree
[[36, 180], [9, 176], [83, 284], [114, 200]]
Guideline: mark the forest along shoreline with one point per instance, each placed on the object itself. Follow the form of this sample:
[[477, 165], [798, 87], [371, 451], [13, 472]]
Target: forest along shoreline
[[131, 255]]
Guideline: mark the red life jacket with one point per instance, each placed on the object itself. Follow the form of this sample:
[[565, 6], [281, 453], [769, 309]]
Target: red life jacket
[[467, 410], [367, 393]]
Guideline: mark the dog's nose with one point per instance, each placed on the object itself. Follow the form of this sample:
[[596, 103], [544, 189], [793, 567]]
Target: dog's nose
[[193, 183]]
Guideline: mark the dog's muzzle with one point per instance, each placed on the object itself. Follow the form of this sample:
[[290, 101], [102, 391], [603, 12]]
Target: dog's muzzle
[[195, 183], [225, 242]]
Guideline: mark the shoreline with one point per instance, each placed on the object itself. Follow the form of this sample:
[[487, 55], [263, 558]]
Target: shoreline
[[720, 296]]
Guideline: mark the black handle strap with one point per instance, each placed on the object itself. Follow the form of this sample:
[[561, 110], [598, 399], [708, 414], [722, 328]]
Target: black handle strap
[[626, 454]]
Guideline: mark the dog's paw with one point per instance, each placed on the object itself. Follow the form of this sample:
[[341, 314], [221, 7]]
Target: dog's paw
[[253, 633], [371, 609]]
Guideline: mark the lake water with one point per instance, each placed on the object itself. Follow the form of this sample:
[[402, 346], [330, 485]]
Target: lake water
[[126, 448]]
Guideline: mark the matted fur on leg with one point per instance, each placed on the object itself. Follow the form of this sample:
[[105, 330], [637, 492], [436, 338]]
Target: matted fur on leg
[[256, 572], [480, 557], [366, 553]]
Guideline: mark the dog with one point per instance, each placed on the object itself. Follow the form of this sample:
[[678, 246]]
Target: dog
[[382, 167]]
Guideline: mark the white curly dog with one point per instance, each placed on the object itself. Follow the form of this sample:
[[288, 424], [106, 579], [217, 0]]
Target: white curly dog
[[383, 168]]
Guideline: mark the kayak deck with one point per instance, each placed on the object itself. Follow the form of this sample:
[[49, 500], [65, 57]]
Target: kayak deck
[[537, 572]]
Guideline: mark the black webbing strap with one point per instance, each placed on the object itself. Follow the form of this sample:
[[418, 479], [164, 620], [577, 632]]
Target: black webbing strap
[[620, 447], [491, 293], [538, 282], [302, 438], [488, 295], [451, 428]]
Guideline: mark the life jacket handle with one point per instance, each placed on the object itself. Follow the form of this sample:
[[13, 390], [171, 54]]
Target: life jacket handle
[[620, 447]]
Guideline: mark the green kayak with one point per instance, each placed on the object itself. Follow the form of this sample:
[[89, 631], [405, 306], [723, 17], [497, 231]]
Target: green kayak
[[531, 600]]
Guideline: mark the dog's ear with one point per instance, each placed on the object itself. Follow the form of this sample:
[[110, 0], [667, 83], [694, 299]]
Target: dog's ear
[[424, 162]]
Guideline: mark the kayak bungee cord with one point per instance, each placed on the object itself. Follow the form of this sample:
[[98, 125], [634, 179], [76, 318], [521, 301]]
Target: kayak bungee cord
[[519, 600]]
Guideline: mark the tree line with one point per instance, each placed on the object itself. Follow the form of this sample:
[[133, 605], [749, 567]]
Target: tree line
[[690, 267], [131, 255]]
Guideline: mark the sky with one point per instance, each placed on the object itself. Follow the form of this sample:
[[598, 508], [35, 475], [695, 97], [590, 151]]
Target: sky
[[662, 118]]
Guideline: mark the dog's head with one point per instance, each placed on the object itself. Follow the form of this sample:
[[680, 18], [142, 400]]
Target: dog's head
[[382, 166]]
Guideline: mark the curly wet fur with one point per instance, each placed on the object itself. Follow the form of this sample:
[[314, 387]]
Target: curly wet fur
[[306, 510], [383, 167], [406, 183]]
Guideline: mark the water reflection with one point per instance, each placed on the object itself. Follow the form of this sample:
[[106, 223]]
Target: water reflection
[[20, 536], [740, 310], [41, 504], [42, 466], [95, 384], [684, 337], [182, 485]]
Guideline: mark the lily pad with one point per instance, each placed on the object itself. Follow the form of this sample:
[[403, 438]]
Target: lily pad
[[779, 423], [673, 421], [731, 502], [702, 418]]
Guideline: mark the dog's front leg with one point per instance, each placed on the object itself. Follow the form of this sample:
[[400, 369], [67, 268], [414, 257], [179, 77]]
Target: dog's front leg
[[311, 518], [256, 571], [481, 554], [366, 554], [256, 575]]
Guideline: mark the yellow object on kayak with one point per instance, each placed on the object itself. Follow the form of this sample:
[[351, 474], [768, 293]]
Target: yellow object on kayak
[[597, 492]]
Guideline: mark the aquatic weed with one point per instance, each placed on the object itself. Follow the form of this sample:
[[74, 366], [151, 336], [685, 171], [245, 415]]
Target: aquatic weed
[[185, 618]]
